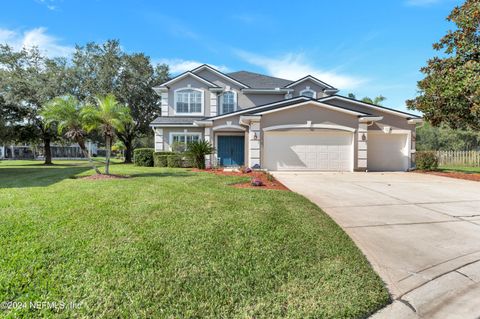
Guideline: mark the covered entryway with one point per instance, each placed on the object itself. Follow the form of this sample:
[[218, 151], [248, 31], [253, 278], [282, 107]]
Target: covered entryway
[[387, 151], [322, 150], [231, 150]]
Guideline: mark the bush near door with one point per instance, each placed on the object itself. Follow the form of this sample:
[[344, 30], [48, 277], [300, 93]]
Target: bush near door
[[143, 157]]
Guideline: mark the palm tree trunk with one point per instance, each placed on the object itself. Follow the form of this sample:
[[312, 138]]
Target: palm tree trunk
[[81, 143], [108, 140], [47, 151]]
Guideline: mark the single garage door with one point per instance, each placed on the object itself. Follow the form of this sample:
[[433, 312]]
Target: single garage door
[[387, 152], [323, 150]]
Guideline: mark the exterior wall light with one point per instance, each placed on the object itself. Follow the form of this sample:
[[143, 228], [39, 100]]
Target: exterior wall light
[[364, 137], [255, 135]]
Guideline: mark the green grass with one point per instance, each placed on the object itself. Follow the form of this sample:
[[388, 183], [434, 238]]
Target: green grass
[[461, 169], [169, 243]]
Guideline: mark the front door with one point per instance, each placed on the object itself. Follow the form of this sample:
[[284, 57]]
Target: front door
[[231, 150]]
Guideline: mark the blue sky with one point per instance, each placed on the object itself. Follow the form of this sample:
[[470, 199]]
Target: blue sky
[[365, 47]]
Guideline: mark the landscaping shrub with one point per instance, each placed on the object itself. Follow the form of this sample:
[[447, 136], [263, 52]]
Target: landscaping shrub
[[427, 160], [196, 152], [160, 159], [143, 157], [174, 160]]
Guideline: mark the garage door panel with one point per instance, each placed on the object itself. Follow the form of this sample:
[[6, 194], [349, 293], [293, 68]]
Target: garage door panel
[[387, 152], [305, 150]]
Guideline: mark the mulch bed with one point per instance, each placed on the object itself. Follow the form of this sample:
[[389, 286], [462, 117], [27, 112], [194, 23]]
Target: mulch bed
[[459, 175], [103, 176], [267, 184]]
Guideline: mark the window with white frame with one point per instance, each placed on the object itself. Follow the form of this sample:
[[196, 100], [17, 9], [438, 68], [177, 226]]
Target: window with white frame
[[308, 93], [182, 139], [189, 101], [228, 102]]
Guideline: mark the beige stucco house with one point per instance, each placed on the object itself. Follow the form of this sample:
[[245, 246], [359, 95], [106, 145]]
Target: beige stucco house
[[277, 124]]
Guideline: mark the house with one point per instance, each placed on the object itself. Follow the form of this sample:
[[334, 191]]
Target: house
[[277, 124]]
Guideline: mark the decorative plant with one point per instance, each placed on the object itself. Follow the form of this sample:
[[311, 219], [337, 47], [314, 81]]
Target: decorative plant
[[108, 116], [197, 150], [256, 182], [66, 113]]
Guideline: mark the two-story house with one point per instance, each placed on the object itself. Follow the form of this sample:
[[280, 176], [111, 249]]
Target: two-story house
[[277, 124]]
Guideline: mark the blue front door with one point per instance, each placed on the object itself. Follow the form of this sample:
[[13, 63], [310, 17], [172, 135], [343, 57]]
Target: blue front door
[[231, 150]]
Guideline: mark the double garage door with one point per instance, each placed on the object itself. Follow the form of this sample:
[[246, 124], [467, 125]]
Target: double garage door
[[322, 150]]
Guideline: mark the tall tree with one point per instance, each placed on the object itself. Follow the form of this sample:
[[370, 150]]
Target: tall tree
[[65, 112], [108, 116], [102, 69], [27, 81], [450, 92]]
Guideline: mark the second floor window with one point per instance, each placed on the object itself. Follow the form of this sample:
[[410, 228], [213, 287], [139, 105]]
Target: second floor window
[[188, 101], [228, 102], [308, 93]]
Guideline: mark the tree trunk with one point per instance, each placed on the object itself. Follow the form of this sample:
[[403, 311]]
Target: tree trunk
[[48, 151], [128, 151], [81, 143], [108, 141]]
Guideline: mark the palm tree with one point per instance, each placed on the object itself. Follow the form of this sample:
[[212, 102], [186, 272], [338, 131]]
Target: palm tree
[[197, 150], [108, 116], [65, 112]]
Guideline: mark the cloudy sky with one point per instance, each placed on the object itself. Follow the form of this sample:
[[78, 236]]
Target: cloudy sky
[[365, 47]]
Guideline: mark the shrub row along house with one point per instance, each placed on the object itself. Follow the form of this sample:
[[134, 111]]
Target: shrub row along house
[[277, 124]]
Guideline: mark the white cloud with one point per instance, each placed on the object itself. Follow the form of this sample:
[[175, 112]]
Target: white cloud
[[49, 4], [421, 3], [38, 37], [293, 66], [180, 66]]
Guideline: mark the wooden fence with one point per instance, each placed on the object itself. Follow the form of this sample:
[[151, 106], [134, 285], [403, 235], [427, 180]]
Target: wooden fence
[[458, 158]]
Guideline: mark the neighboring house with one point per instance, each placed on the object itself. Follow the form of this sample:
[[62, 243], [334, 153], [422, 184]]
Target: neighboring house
[[26, 151], [276, 124]]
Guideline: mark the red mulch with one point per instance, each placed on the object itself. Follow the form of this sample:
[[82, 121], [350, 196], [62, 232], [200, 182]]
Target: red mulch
[[103, 176], [467, 176], [274, 184]]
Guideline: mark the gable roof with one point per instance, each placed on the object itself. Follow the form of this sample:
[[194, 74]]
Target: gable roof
[[259, 81], [329, 99], [313, 79], [297, 101], [225, 76], [184, 75]]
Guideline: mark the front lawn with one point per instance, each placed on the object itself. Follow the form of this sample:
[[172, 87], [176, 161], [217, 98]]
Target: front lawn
[[461, 169], [169, 243]]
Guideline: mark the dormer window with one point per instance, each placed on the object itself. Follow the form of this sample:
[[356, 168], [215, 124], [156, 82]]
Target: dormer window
[[308, 93], [188, 101], [228, 102]]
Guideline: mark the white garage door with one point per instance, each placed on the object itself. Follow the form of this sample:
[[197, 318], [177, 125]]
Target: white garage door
[[323, 150], [387, 152]]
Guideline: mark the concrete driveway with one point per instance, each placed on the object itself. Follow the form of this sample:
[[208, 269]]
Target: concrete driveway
[[420, 232]]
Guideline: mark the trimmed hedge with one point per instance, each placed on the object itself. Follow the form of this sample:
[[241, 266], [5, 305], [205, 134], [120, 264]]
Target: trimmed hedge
[[160, 159], [143, 157], [174, 160], [427, 160]]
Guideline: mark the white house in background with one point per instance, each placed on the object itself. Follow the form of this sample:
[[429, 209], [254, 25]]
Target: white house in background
[[279, 124], [26, 151]]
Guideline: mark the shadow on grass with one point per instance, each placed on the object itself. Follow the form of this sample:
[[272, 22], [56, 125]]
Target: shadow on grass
[[40, 176], [163, 174]]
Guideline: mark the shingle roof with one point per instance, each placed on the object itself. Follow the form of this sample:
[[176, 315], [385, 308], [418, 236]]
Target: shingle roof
[[171, 120], [258, 81]]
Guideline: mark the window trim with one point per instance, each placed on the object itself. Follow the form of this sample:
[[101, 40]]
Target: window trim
[[202, 104], [308, 89], [235, 102], [171, 134]]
